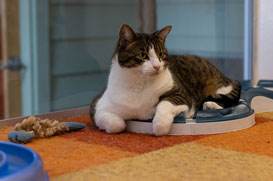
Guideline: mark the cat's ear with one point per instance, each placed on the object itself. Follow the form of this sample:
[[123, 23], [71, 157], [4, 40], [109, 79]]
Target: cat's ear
[[126, 34], [163, 33]]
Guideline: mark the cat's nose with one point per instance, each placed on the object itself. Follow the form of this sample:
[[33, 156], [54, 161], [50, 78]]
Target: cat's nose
[[156, 67]]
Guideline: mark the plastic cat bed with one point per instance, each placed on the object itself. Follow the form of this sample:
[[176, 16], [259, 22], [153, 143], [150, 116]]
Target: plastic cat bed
[[212, 121], [18, 162]]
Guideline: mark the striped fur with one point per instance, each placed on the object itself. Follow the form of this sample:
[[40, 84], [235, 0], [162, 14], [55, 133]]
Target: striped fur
[[197, 81]]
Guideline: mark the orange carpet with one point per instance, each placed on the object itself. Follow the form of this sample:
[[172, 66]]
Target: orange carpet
[[91, 154]]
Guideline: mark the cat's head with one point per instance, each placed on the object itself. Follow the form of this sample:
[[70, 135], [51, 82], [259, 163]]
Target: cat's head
[[145, 53]]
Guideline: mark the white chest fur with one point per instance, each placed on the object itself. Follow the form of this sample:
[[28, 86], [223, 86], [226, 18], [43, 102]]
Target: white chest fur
[[133, 95]]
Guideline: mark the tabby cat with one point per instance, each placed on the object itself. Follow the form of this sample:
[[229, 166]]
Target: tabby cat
[[147, 83]]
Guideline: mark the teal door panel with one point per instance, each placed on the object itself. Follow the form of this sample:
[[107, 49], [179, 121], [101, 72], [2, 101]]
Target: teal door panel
[[68, 45], [76, 90]]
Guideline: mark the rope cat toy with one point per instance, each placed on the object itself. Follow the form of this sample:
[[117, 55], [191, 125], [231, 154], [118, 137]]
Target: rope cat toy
[[34, 127]]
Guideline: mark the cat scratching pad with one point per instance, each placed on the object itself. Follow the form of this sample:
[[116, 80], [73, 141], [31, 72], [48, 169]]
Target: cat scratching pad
[[212, 121], [205, 122]]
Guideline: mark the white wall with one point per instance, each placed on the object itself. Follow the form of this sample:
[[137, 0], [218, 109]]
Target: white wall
[[263, 43]]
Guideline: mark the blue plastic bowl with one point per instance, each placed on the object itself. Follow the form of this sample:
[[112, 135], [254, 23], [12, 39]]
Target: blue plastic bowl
[[18, 162]]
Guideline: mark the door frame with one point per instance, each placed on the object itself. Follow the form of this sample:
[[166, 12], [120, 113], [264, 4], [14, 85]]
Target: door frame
[[11, 48], [248, 39], [35, 56]]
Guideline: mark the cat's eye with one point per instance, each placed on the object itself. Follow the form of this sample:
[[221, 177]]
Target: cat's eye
[[161, 55], [142, 55]]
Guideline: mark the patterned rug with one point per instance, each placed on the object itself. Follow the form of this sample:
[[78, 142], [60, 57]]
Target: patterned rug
[[91, 154]]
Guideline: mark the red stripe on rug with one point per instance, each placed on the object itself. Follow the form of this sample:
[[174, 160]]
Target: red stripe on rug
[[132, 142]]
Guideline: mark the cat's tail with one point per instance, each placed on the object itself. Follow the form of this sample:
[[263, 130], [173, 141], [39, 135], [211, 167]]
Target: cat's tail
[[93, 104], [227, 100]]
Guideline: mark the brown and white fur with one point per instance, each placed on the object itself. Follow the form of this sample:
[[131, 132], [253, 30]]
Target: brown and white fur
[[147, 83]]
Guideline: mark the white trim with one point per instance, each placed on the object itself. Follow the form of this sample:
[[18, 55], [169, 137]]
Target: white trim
[[263, 40], [193, 128], [51, 115]]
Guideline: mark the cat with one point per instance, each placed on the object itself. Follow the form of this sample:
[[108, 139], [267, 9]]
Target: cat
[[147, 83]]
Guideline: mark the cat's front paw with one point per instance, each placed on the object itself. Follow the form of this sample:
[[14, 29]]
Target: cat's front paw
[[162, 127], [111, 123], [115, 126]]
